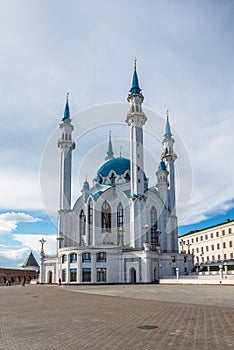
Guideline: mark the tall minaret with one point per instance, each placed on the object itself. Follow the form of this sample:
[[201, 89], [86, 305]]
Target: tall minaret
[[169, 158], [66, 145], [136, 119]]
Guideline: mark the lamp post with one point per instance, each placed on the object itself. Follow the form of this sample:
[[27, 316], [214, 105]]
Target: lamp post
[[42, 255]]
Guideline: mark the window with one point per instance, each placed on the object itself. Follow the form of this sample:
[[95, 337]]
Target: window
[[223, 232], [73, 275], [90, 221], [64, 275], [112, 178], [197, 258], [197, 250], [82, 223], [229, 230], [217, 234], [153, 228], [101, 257], [64, 258], [106, 217], [231, 255], [185, 259], [201, 238], [127, 177], [207, 248], [218, 246], [211, 235], [224, 244], [207, 258], [120, 215], [73, 258], [213, 257], [193, 251], [173, 259], [196, 239], [230, 244], [225, 256], [212, 247], [206, 236], [86, 257], [218, 256], [202, 259], [101, 274], [86, 275], [192, 240]]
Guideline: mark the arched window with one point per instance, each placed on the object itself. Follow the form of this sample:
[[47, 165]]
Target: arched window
[[73, 258], [86, 257], [101, 257], [119, 222], [90, 221], [106, 217], [82, 223], [112, 178], [127, 177], [154, 228], [64, 258]]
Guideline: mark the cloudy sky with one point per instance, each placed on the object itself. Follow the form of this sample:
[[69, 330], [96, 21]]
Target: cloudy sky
[[185, 53]]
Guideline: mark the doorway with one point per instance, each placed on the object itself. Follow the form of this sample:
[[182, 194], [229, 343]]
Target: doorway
[[132, 275]]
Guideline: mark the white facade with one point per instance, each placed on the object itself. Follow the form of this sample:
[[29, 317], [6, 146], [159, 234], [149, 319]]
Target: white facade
[[119, 230], [211, 245]]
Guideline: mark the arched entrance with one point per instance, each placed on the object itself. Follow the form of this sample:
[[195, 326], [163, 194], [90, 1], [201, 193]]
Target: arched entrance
[[49, 277], [155, 274], [132, 275]]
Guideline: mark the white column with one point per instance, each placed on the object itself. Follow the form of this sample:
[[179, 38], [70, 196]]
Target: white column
[[93, 268]]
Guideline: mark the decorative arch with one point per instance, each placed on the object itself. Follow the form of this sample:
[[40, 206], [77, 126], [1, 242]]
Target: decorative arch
[[153, 228], [49, 276], [132, 275], [106, 217], [112, 178]]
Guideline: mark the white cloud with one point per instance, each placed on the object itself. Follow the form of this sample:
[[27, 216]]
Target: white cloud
[[31, 242], [10, 220]]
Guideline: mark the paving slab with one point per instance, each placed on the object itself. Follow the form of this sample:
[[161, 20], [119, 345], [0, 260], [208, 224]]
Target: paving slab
[[52, 317]]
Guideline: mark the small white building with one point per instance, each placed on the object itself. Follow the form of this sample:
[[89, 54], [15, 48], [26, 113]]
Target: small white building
[[211, 245], [120, 230]]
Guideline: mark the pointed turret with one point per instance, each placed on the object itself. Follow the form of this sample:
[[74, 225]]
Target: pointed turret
[[30, 262], [66, 115], [168, 134], [110, 153], [135, 88]]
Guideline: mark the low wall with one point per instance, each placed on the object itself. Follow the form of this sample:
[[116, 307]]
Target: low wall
[[205, 279]]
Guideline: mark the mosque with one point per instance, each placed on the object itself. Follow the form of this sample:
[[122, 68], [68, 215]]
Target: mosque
[[119, 230]]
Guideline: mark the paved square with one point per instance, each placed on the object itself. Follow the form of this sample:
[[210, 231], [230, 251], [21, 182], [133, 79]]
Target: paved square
[[139, 317]]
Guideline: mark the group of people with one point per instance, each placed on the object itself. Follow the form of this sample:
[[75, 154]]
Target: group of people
[[8, 283]]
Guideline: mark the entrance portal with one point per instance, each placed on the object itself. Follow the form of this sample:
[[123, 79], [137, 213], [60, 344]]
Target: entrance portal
[[49, 277], [132, 275]]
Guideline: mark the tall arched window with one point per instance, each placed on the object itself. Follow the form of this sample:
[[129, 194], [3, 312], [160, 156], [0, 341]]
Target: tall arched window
[[90, 221], [82, 223], [112, 178], [154, 228], [119, 223], [106, 217]]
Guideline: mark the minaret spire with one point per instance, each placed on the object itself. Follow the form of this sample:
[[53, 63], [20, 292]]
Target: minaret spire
[[168, 134], [110, 153], [66, 115]]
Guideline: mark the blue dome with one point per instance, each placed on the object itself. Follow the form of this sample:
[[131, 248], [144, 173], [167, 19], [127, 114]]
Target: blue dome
[[118, 165]]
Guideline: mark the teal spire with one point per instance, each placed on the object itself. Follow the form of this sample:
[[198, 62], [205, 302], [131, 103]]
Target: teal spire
[[135, 89], [168, 134], [110, 153], [66, 115]]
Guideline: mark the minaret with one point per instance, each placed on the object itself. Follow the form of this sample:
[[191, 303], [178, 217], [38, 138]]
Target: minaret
[[110, 153], [136, 119], [66, 145], [169, 158]]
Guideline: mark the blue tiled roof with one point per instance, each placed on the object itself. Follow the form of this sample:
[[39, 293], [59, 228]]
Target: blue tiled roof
[[118, 165]]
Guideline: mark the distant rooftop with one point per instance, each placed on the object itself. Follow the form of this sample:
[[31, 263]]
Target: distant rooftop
[[30, 261], [227, 221]]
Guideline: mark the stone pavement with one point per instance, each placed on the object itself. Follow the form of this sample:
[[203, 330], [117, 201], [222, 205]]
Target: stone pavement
[[70, 317]]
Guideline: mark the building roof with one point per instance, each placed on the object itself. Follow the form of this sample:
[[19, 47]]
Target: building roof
[[30, 261], [227, 221]]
